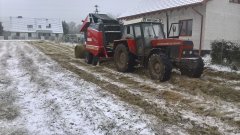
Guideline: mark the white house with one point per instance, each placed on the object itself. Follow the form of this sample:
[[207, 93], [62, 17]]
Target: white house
[[32, 28], [203, 21]]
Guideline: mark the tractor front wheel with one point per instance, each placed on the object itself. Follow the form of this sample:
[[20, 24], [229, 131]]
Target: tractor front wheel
[[123, 59], [159, 67]]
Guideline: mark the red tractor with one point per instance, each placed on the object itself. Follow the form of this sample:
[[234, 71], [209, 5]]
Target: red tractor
[[140, 43]]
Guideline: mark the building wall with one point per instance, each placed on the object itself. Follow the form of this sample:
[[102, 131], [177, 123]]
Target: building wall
[[222, 21], [25, 25], [22, 35], [183, 14]]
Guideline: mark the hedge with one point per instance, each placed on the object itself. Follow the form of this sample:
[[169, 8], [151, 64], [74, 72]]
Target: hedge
[[225, 52]]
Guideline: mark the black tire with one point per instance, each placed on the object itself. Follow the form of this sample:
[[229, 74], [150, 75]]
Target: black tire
[[79, 51], [159, 67], [88, 58], [95, 60], [194, 72], [123, 59]]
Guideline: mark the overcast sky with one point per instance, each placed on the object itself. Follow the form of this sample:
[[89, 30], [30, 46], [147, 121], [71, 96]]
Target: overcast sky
[[69, 10]]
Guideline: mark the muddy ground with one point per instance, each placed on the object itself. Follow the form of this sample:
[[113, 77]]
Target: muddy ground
[[208, 105]]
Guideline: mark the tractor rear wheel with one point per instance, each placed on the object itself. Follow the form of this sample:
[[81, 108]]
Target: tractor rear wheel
[[159, 67], [88, 58], [123, 59], [79, 51], [194, 71]]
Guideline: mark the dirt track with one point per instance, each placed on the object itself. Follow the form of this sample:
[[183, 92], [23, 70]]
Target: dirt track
[[209, 105]]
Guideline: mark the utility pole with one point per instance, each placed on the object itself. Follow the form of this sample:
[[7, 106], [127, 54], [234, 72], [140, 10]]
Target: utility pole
[[96, 11]]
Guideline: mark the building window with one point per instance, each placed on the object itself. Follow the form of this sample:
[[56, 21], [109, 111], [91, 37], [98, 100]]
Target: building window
[[29, 34], [57, 35], [39, 26], [49, 26], [30, 26], [234, 1], [18, 34], [186, 27]]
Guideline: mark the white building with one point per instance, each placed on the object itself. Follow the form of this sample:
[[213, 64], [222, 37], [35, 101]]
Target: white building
[[32, 28], [203, 20]]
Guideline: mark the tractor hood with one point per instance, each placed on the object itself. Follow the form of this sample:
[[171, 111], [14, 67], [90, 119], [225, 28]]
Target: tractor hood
[[170, 42]]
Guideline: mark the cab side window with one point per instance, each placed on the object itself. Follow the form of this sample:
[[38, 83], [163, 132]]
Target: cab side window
[[137, 30], [128, 32]]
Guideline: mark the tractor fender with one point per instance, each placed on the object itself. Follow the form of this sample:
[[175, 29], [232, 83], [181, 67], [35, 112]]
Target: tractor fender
[[129, 43]]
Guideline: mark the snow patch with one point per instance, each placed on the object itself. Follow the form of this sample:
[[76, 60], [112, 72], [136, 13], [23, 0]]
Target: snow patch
[[207, 61]]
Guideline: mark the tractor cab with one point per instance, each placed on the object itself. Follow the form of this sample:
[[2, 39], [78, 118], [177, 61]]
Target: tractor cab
[[144, 33]]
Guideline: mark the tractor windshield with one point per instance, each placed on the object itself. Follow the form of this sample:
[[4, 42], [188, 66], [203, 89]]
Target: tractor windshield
[[153, 31]]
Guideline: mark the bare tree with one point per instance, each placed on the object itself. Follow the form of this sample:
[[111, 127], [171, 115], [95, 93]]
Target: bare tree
[[65, 28], [1, 29], [74, 28]]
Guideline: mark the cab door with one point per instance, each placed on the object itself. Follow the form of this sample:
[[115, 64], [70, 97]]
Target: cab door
[[139, 39]]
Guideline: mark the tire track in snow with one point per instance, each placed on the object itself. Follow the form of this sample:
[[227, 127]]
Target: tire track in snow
[[9, 111]]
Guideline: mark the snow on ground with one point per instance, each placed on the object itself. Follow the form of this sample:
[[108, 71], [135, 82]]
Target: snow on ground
[[52, 100], [207, 61], [69, 44]]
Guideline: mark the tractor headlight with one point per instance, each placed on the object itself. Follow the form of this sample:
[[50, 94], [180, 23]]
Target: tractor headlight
[[184, 52], [190, 52]]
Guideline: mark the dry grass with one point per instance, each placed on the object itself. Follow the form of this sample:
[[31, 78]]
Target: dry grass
[[226, 75], [13, 131], [8, 110], [196, 86]]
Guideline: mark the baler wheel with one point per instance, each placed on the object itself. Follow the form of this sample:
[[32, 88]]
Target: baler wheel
[[79, 51], [95, 60], [123, 59], [88, 58], [159, 67]]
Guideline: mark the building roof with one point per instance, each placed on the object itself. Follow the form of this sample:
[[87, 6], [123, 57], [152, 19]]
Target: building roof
[[148, 6], [23, 24]]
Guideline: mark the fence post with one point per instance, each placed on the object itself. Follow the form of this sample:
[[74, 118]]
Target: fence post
[[222, 53]]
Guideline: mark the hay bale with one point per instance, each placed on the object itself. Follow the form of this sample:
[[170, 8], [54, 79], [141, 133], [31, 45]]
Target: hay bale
[[80, 51]]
